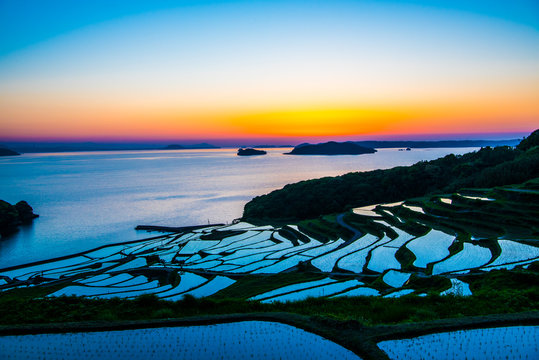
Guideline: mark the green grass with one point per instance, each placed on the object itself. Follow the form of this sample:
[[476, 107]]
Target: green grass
[[366, 310], [251, 285], [406, 258], [495, 292]]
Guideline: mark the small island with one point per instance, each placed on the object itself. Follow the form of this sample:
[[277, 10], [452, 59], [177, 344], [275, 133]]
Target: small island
[[250, 152], [174, 147], [11, 216], [331, 148], [8, 152]]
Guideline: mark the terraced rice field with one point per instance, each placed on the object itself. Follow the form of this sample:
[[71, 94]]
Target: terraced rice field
[[240, 340], [396, 241], [517, 342]]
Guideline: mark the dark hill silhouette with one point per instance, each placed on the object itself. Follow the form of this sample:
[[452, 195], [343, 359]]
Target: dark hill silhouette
[[8, 152], [331, 148], [435, 144], [193, 146], [174, 147], [250, 152], [11, 216], [529, 142]]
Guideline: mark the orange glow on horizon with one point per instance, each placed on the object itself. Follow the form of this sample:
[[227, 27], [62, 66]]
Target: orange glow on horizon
[[46, 117]]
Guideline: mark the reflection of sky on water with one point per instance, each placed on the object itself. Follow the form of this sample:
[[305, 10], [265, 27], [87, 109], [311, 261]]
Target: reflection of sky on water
[[237, 340], [94, 198]]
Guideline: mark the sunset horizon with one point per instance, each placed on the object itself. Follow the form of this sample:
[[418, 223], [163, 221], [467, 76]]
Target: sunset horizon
[[235, 69]]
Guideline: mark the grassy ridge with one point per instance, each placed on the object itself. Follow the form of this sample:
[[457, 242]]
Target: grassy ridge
[[496, 292]]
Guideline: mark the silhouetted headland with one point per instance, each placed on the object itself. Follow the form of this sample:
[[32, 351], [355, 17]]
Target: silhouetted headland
[[8, 152], [11, 216]]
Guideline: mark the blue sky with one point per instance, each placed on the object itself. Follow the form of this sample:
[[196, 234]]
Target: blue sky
[[91, 69], [26, 22]]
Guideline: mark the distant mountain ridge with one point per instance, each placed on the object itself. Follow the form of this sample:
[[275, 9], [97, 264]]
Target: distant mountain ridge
[[192, 146], [37, 147], [436, 144], [41, 147]]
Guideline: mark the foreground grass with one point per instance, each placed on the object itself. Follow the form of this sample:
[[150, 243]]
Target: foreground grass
[[366, 310], [495, 292]]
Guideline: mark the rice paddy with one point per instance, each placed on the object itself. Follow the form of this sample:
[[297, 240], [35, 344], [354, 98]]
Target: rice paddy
[[238, 341], [205, 261], [516, 342], [396, 250]]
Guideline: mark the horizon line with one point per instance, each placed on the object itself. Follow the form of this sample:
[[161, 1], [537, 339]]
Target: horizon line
[[281, 140]]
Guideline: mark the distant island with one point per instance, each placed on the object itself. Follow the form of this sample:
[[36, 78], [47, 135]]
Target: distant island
[[8, 152], [406, 144], [44, 146], [331, 148], [193, 146], [250, 152], [270, 146], [11, 216]]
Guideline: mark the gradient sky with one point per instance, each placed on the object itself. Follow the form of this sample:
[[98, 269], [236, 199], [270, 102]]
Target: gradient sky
[[133, 70]]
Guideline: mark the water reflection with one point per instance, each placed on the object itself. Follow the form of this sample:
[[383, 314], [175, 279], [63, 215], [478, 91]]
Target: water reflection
[[91, 199]]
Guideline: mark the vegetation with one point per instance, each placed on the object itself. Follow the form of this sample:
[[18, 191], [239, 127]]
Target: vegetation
[[496, 292], [487, 167]]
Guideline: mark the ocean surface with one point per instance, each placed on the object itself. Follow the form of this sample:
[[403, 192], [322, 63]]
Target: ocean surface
[[89, 199]]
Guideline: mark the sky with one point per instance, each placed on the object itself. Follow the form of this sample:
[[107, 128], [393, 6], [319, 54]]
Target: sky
[[268, 70]]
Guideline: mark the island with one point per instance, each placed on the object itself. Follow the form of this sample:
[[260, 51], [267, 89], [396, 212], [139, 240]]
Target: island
[[250, 152], [8, 152], [11, 216], [331, 148], [174, 147]]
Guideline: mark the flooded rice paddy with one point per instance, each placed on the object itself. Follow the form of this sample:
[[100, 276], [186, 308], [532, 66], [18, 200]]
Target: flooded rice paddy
[[236, 341]]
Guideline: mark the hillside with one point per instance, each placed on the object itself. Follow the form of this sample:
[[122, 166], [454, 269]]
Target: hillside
[[487, 167]]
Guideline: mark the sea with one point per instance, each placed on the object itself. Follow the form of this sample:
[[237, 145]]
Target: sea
[[89, 199]]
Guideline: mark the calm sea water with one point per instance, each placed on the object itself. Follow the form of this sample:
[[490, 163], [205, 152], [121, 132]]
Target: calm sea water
[[89, 199]]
